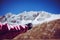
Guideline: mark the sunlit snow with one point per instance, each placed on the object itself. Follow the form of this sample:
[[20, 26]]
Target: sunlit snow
[[34, 17]]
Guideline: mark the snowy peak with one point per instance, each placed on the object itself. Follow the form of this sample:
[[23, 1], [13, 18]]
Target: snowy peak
[[34, 17]]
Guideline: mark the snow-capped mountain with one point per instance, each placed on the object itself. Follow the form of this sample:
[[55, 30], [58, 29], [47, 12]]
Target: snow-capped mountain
[[34, 17]]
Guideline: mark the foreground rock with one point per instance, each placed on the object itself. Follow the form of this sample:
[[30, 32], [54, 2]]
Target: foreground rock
[[47, 30]]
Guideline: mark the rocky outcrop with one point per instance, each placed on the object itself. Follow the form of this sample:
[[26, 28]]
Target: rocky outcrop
[[47, 30]]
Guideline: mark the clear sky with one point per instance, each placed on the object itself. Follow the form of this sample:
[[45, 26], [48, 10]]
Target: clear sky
[[17, 6]]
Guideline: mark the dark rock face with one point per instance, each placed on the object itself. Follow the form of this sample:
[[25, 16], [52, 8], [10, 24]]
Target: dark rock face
[[30, 25], [47, 30]]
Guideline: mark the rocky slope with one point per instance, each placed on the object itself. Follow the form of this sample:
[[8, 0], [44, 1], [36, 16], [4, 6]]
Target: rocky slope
[[39, 19], [47, 30]]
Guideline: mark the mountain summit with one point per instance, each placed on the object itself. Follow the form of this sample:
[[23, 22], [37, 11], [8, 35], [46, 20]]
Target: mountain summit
[[34, 17]]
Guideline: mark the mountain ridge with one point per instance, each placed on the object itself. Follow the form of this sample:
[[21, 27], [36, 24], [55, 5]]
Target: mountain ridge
[[33, 17]]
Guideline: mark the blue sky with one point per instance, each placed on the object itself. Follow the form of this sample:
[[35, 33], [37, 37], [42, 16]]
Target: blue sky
[[17, 6]]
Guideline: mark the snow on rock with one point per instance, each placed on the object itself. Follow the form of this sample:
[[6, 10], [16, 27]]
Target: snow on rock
[[34, 17]]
